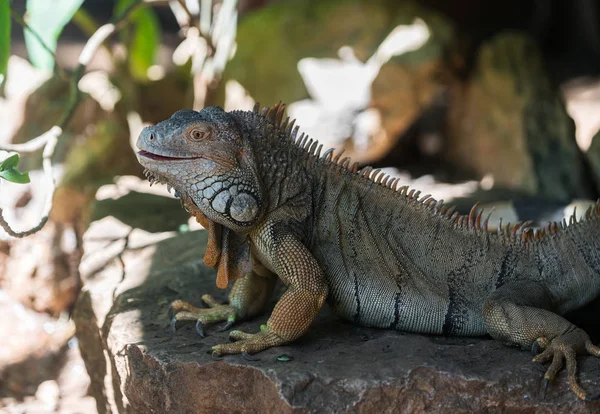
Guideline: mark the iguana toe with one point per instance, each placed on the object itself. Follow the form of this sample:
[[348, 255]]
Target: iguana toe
[[248, 344], [184, 311], [564, 348]]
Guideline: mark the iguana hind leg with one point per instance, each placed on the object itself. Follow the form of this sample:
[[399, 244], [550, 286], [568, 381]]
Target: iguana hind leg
[[248, 297], [520, 313]]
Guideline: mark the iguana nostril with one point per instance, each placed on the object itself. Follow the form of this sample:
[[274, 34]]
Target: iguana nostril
[[151, 137]]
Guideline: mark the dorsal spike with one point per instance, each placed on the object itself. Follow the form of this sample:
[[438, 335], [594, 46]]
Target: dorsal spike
[[379, 179], [313, 146], [338, 155], [366, 172], [272, 112], [256, 108], [385, 180], [438, 206], [487, 219], [290, 127], [403, 189], [411, 193], [523, 228], [392, 182], [450, 211], [279, 113], [318, 151], [305, 142], [373, 176], [302, 140], [294, 133], [308, 144], [354, 167], [573, 219], [264, 111], [284, 125], [327, 154], [471, 221], [478, 219], [554, 227], [416, 195], [345, 162], [454, 217], [500, 226], [425, 198]]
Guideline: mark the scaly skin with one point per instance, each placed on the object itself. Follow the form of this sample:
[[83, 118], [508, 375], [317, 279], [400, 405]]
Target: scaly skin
[[381, 255]]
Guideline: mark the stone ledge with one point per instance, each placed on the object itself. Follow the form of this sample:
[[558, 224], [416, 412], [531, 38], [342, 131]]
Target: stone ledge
[[138, 365]]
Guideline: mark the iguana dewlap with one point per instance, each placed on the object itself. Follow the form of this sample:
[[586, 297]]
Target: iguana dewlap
[[276, 205]]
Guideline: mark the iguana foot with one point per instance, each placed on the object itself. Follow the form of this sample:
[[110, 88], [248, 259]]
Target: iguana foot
[[185, 311], [248, 344], [565, 348]]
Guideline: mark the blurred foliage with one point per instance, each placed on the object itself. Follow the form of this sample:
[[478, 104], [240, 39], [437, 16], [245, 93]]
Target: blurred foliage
[[142, 38], [9, 171], [4, 37], [47, 19]]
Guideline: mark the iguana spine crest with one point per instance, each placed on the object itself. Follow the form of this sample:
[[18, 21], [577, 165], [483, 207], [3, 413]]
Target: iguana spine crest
[[473, 221]]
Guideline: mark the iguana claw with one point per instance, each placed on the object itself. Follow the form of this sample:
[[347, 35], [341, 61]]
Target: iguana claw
[[173, 324], [200, 328], [544, 387], [539, 345], [565, 348], [184, 311], [249, 357], [227, 326]]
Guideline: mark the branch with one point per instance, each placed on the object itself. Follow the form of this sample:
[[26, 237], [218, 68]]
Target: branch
[[49, 139]]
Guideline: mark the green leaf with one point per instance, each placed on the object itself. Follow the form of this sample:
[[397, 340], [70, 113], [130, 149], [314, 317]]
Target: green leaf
[[144, 45], [47, 18], [4, 37], [144, 41], [9, 172], [10, 162], [15, 176]]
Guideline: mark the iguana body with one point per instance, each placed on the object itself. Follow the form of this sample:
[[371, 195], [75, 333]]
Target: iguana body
[[381, 255]]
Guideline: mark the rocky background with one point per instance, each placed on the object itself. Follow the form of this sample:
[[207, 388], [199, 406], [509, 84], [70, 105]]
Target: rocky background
[[462, 101]]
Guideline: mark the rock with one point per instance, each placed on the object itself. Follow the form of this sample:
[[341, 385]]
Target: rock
[[509, 121], [41, 370], [41, 270], [137, 365], [332, 79]]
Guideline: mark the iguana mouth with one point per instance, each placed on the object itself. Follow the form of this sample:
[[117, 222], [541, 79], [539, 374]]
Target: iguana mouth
[[159, 157]]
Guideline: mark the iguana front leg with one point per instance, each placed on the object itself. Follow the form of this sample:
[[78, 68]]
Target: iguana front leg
[[297, 307], [248, 297], [520, 313]]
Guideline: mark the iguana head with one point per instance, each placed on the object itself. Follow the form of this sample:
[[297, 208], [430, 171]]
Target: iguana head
[[204, 157]]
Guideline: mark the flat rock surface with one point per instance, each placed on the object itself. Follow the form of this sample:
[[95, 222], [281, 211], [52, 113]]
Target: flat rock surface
[[137, 365]]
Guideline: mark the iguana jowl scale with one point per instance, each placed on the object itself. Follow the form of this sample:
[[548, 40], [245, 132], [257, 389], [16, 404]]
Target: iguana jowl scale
[[380, 254]]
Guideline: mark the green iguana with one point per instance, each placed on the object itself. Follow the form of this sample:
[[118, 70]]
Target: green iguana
[[381, 255]]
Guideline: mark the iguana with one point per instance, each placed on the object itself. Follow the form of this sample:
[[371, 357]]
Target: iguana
[[380, 254]]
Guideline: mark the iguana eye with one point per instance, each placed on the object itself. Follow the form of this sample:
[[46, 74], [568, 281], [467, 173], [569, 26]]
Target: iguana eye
[[198, 134]]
